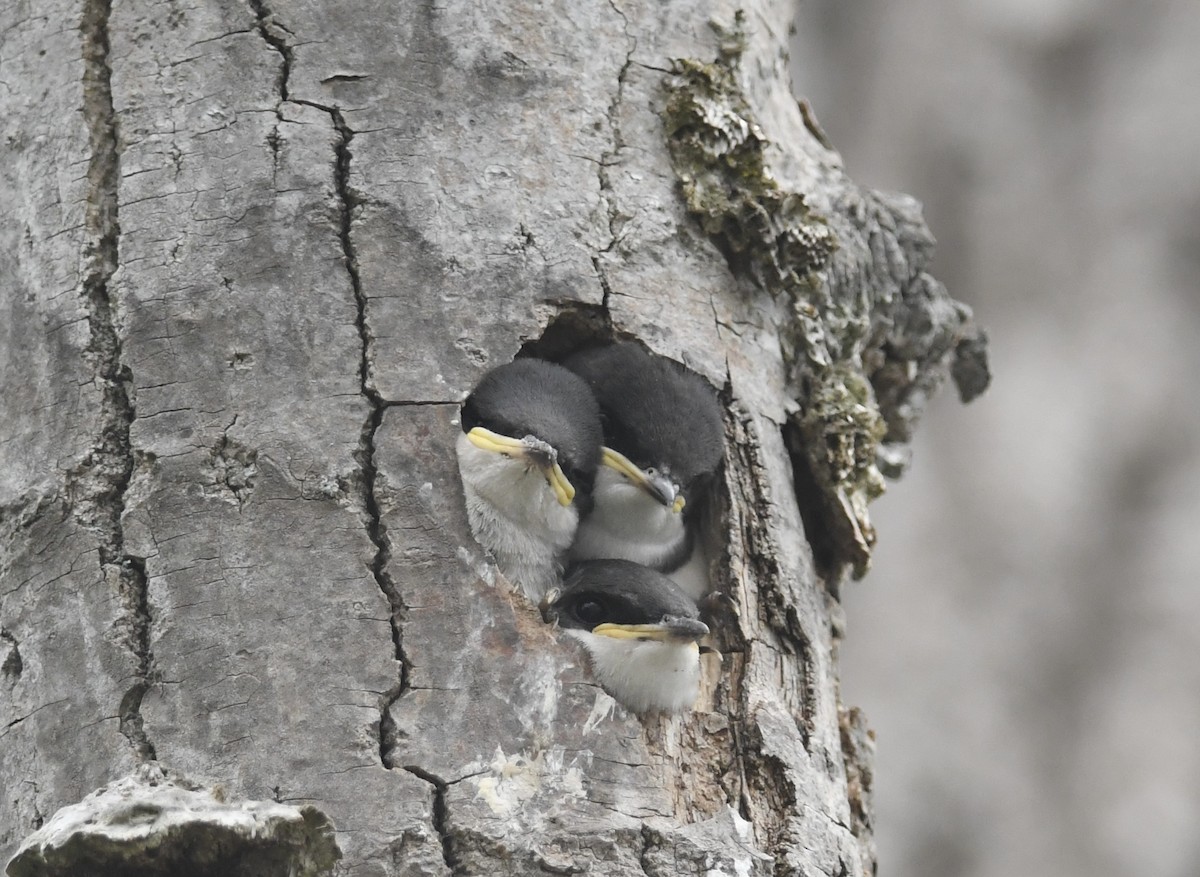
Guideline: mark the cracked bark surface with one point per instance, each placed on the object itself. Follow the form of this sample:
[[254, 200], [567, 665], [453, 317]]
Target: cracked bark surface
[[232, 534]]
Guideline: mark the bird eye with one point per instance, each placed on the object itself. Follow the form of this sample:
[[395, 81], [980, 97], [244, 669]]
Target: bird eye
[[590, 611], [651, 471]]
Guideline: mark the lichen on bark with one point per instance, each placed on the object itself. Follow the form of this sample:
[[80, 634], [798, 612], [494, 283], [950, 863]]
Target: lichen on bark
[[718, 151], [865, 343]]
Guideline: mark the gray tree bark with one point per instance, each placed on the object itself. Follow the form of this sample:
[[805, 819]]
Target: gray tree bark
[[252, 259]]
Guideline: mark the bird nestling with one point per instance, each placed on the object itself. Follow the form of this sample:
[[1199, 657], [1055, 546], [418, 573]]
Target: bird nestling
[[663, 445], [528, 455], [640, 630]]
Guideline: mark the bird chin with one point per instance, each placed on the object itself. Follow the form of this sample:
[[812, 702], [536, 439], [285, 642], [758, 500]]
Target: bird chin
[[518, 490], [629, 524], [645, 676], [515, 515]]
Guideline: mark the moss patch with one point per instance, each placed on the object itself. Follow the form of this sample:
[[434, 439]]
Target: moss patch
[[841, 428], [769, 233], [718, 149]]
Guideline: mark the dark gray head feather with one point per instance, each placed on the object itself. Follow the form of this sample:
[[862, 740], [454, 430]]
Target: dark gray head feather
[[618, 592], [539, 398], [655, 412]]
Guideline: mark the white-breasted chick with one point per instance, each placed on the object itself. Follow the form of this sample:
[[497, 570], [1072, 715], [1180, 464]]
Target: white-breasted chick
[[641, 632], [527, 455], [663, 446]]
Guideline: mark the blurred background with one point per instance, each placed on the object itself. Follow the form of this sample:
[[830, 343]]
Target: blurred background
[[1026, 646]]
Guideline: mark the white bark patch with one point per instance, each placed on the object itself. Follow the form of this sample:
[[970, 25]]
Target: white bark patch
[[602, 709], [515, 779], [151, 824]]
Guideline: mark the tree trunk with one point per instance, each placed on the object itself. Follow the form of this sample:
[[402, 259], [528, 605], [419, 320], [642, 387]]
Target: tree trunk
[[253, 258]]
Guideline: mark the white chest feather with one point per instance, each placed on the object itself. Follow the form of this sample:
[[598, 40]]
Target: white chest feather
[[645, 676], [629, 524], [515, 515]]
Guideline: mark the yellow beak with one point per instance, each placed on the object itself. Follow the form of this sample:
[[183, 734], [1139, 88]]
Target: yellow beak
[[674, 630], [618, 461], [487, 440]]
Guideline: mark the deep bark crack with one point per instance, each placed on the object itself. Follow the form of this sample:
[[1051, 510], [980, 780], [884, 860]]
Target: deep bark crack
[[441, 817], [376, 529], [644, 854], [610, 158], [273, 33], [100, 484], [606, 288]]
